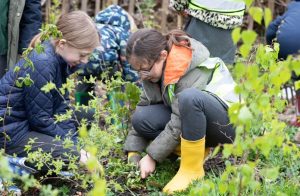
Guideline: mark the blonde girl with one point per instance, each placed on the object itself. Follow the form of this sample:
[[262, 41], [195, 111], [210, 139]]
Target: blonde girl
[[27, 112]]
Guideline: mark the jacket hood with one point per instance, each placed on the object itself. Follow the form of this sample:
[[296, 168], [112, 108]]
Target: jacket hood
[[181, 60], [199, 55], [113, 15]]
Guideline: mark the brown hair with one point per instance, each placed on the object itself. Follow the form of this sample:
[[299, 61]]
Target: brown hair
[[148, 43], [77, 28]]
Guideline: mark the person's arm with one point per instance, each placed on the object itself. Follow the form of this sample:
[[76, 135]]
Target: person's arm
[[40, 105], [30, 24], [272, 29], [135, 142], [128, 73], [94, 67], [164, 144]]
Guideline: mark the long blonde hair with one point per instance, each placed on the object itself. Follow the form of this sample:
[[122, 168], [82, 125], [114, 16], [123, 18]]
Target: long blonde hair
[[77, 28]]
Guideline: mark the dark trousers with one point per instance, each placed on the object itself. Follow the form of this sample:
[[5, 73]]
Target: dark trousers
[[3, 65], [45, 142], [201, 115]]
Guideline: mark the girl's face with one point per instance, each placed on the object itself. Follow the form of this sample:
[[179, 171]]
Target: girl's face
[[71, 55], [152, 72]]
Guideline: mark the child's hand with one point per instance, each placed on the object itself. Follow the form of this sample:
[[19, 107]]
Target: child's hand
[[147, 166]]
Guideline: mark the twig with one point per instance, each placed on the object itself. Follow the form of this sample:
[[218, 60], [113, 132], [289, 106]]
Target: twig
[[60, 178], [132, 193]]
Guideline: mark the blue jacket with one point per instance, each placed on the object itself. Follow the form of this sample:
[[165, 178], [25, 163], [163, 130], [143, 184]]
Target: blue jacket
[[30, 24], [114, 28], [286, 29], [29, 108]]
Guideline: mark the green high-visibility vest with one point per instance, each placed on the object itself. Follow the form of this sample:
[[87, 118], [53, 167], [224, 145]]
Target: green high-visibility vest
[[226, 7], [221, 83]]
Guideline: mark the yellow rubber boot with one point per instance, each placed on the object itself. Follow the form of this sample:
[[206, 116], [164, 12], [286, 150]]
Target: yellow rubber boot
[[177, 151], [191, 165], [206, 154]]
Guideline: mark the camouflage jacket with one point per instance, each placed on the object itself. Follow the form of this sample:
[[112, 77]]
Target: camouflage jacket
[[114, 28]]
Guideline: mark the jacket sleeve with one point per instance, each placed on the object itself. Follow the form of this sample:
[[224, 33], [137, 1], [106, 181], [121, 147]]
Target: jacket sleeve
[[272, 29], [165, 143], [135, 142], [31, 22], [40, 106], [94, 66], [178, 5], [143, 100], [128, 73]]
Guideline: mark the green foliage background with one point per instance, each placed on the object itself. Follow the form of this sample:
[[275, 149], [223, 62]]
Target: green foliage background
[[261, 161]]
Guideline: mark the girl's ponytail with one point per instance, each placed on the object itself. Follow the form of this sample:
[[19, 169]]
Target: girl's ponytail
[[179, 38], [35, 40]]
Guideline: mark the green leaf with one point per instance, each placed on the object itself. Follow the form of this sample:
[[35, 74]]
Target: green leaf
[[48, 87], [99, 188], [248, 2], [39, 48], [27, 80], [216, 150], [223, 188], [19, 83], [236, 35], [239, 69], [267, 16], [118, 187], [264, 144], [270, 173], [227, 151], [297, 85], [256, 13], [296, 67], [249, 37], [83, 131], [285, 75], [246, 170], [245, 114], [276, 47], [16, 69], [245, 50]]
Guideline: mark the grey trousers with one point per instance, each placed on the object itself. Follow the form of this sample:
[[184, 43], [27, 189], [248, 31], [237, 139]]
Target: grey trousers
[[201, 113], [217, 40]]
